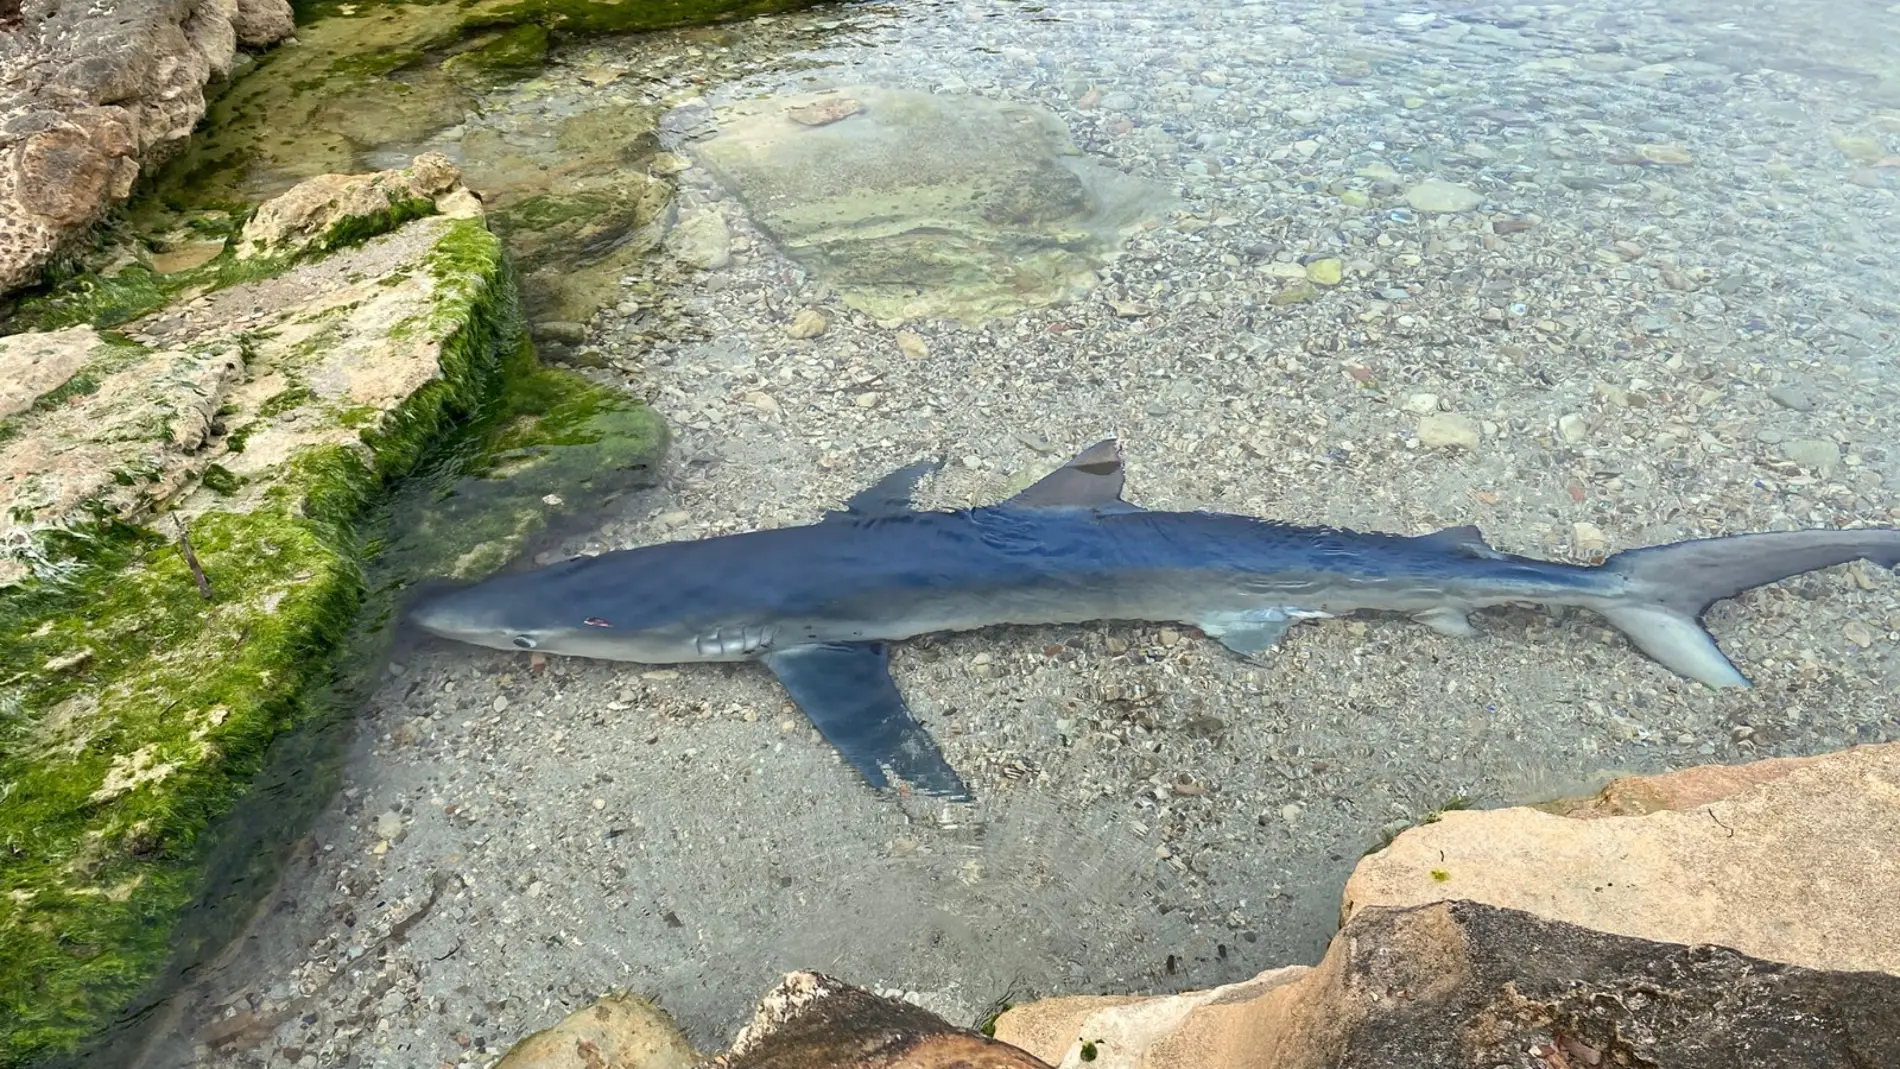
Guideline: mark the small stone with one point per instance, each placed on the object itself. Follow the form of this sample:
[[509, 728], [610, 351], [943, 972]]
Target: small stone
[[1859, 149], [1294, 294], [1665, 155], [1325, 272], [1170, 637], [560, 331], [1132, 309], [1588, 537], [1792, 398], [1816, 454], [1435, 195], [911, 344], [1421, 404], [1572, 428], [764, 402], [1291, 812], [1858, 634], [501, 704], [677, 518], [807, 324], [701, 240], [866, 400], [1448, 430], [824, 112], [388, 824]]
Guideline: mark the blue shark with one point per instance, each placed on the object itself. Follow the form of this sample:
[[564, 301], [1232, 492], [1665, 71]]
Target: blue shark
[[820, 604]]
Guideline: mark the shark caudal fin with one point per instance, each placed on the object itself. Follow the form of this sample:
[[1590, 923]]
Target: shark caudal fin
[[1671, 586]]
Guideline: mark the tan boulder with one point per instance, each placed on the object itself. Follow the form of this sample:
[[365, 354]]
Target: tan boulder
[[1790, 860], [618, 1032], [325, 210], [259, 23]]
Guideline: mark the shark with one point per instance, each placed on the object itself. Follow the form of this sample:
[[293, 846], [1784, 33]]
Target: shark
[[821, 604]]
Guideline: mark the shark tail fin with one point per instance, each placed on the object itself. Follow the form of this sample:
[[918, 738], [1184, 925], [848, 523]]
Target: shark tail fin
[[1671, 586]]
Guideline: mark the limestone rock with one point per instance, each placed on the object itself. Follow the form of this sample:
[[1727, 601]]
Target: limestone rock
[[1441, 197], [1463, 985], [811, 1021], [93, 95], [1773, 858], [618, 1032], [329, 209], [32, 365], [808, 323]]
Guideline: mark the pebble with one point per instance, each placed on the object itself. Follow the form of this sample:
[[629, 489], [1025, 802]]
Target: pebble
[[1325, 272], [1791, 397], [1588, 537], [1435, 195], [1665, 155], [561, 332], [1816, 454], [1421, 404], [1449, 430], [701, 240], [1572, 428], [388, 824], [807, 324], [911, 344], [1859, 634]]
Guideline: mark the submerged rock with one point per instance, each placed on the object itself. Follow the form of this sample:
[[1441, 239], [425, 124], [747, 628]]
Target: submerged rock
[[917, 205], [96, 95]]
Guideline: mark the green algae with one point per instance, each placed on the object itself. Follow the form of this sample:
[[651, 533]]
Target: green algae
[[136, 713]]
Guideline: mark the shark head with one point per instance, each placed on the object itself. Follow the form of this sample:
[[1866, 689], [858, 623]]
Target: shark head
[[545, 611]]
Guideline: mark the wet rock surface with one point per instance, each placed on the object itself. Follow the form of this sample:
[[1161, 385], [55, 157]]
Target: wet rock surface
[[1462, 984], [93, 97], [813, 1021]]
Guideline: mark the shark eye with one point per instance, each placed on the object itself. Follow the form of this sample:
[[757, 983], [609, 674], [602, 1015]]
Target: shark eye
[[595, 621], [524, 642]]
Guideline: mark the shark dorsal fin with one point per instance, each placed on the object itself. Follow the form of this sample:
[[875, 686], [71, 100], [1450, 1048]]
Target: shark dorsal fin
[[889, 496], [1091, 479], [1467, 540]]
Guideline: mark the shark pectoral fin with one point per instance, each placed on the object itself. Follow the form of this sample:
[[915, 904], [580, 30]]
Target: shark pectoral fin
[[1091, 479], [847, 691], [1447, 621], [1249, 633], [889, 496]]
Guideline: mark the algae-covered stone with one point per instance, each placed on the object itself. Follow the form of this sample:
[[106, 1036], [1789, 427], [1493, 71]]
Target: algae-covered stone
[[333, 210], [508, 54], [920, 205], [180, 555], [618, 1032]]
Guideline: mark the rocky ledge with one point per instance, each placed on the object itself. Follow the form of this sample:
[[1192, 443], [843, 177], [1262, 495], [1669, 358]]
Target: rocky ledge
[[182, 554], [93, 96]]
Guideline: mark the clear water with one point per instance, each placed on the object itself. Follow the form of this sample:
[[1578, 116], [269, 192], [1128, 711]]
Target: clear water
[[1668, 309]]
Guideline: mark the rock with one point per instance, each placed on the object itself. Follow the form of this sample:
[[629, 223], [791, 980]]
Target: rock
[[97, 94], [825, 111], [702, 241], [1665, 155], [1588, 538], [951, 206], [1421, 404], [333, 210], [1468, 985], [808, 323], [262, 23], [1324, 272], [1815, 454], [560, 332], [1434, 195], [812, 1021], [1791, 397], [257, 422], [618, 1032], [1449, 430], [911, 344], [1770, 858], [1859, 149], [1573, 428]]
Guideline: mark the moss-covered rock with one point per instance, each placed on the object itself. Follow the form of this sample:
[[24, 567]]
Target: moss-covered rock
[[159, 623]]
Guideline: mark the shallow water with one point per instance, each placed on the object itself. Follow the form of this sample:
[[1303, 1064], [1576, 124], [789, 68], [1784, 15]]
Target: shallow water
[[1671, 313]]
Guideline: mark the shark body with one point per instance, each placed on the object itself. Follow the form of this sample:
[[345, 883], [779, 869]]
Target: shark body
[[819, 604]]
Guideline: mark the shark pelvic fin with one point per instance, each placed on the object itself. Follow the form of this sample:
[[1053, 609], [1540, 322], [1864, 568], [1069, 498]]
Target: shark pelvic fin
[[1467, 541], [847, 691], [1447, 620], [1091, 479], [1252, 632], [889, 496]]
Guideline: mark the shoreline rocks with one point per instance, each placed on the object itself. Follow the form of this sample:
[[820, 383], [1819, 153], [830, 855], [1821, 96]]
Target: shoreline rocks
[[96, 97]]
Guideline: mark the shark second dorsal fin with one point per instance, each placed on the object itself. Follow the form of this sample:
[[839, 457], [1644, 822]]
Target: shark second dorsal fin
[[1091, 479], [889, 496]]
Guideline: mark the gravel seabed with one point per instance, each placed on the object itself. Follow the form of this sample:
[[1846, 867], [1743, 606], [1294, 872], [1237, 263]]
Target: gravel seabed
[[1672, 314]]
